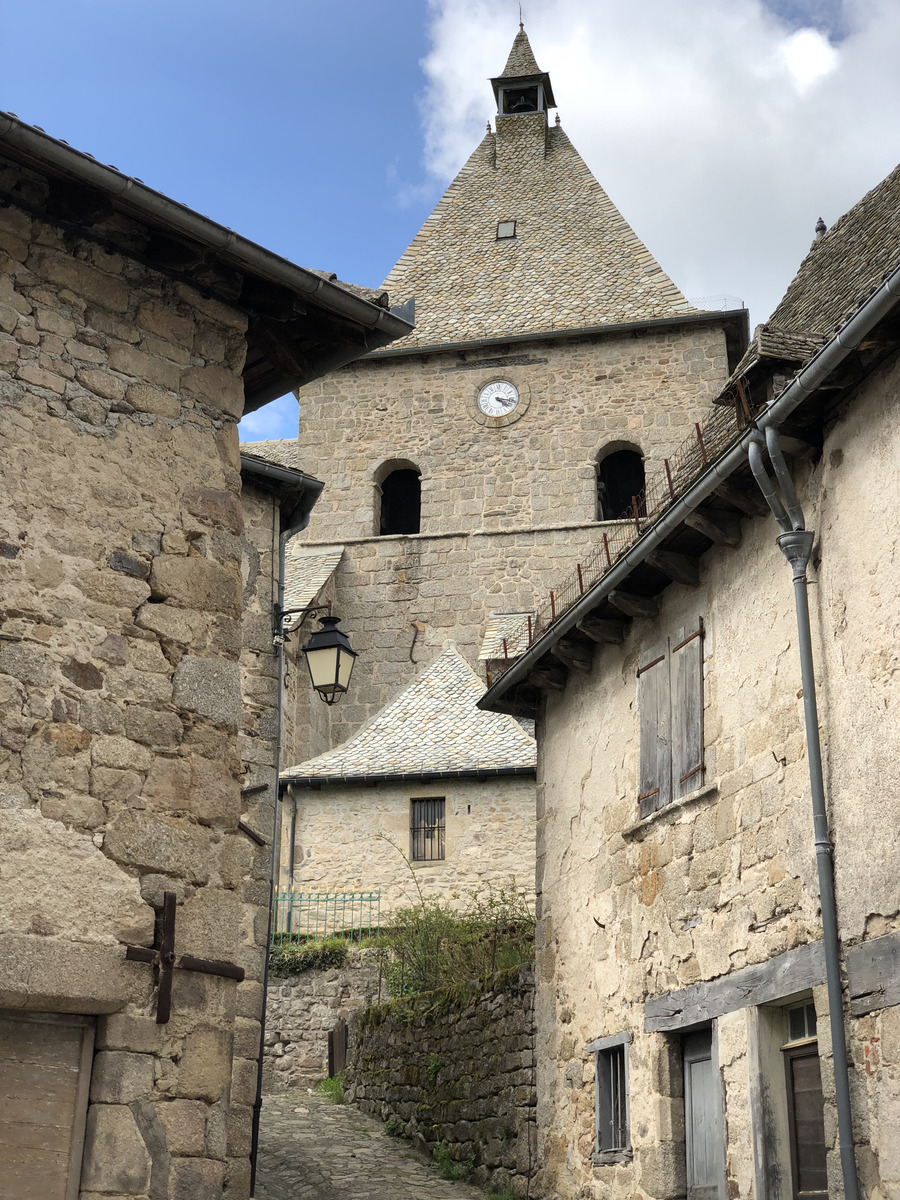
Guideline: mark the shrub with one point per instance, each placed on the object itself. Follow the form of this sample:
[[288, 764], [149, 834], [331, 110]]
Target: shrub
[[291, 960], [447, 1167], [332, 1088]]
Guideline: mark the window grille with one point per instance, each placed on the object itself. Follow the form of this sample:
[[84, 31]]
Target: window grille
[[426, 830], [611, 1095]]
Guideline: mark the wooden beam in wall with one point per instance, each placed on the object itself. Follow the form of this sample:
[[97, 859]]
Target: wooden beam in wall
[[680, 568], [719, 527]]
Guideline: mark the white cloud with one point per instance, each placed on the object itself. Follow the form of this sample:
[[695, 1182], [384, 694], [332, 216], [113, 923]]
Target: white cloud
[[720, 131]]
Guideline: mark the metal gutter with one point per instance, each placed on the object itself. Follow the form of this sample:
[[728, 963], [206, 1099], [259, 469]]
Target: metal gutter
[[582, 331], [302, 489], [318, 781], [802, 386], [241, 252]]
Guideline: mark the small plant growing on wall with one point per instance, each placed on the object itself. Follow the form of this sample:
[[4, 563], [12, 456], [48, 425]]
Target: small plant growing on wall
[[434, 1067], [447, 1167]]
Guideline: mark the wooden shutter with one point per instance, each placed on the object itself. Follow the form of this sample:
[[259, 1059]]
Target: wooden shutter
[[686, 671], [655, 718], [703, 1149]]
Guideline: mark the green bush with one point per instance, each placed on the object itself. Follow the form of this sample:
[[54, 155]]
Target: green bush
[[432, 945], [447, 1167], [393, 1127], [332, 1088]]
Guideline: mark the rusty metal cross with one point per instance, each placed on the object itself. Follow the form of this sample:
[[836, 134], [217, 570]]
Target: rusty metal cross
[[163, 956]]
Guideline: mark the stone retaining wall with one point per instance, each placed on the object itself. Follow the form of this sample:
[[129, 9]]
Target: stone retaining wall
[[302, 1008], [457, 1067]]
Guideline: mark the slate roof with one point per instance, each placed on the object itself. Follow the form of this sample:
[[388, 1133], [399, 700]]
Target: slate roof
[[432, 726], [574, 262], [283, 452], [305, 574], [509, 627], [521, 59], [840, 272], [845, 266]]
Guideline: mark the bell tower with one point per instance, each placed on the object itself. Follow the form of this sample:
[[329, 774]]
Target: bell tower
[[524, 94]]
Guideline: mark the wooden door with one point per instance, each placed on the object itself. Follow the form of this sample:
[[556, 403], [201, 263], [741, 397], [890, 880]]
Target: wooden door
[[45, 1067], [703, 1127], [806, 1122]]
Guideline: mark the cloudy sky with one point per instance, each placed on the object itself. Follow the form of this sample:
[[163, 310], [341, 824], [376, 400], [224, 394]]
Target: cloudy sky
[[721, 128]]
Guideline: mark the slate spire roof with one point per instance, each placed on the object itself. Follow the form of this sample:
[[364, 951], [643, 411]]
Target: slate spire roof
[[434, 725], [521, 59], [574, 260]]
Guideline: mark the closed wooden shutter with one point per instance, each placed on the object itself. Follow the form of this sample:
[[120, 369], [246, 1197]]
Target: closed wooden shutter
[[686, 671], [655, 721], [703, 1127], [45, 1063]]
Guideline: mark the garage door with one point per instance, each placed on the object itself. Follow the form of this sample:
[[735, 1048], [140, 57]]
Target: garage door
[[45, 1067]]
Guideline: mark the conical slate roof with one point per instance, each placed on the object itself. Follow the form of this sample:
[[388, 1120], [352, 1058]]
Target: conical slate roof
[[521, 59], [433, 725], [574, 260]]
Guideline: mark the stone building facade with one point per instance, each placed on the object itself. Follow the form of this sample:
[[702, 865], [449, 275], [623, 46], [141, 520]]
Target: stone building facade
[[138, 687], [547, 339], [684, 1045]]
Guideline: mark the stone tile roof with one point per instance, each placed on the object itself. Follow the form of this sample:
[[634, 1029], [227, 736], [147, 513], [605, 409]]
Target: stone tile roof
[[841, 270], [845, 266], [282, 452], [306, 572], [574, 261], [432, 726], [511, 627], [521, 59]]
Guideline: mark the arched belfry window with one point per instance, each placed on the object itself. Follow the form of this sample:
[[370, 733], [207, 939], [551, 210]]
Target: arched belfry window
[[620, 479], [400, 489]]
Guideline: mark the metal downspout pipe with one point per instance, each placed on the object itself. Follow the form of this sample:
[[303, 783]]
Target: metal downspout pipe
[[299, 521], [795, 542]]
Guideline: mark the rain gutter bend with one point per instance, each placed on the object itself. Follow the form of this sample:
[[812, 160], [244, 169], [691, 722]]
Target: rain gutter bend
[[802, 386], [144, 201]]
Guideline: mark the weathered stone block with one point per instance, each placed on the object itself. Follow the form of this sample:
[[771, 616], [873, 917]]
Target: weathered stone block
[[204, 1070], [223, 387], [196, 583], [146, 398], [153, 728], [210, 687], [127, 1031], [115, 1156], [162, 844], [217, 508], [185, 1124], [119, 1077], [195, 1179]]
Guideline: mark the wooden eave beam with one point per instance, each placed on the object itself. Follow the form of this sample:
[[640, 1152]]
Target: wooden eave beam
[[720, 527], [632, 605], [574, 654], [744, 495], [677, 567], [548, 675], [603, 631]]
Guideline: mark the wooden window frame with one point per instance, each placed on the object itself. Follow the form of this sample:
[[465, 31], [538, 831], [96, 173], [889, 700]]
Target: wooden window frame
[[423, 832], [670, 710], [611, 1074]]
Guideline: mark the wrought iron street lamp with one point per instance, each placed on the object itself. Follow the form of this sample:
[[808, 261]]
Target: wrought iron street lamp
[[330, 658]]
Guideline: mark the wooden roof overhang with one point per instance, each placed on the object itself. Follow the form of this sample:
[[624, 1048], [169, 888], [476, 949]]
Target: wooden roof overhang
[[630, 591], [301, 323]]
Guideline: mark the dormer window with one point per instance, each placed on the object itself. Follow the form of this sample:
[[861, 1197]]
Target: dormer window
[[506, 229], [523, 98]]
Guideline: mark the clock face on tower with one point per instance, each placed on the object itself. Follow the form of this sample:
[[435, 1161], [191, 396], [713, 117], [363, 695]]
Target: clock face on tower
[[498, 399]]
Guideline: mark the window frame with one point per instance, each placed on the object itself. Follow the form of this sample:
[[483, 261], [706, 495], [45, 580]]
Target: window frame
[[434, 832], [604, 1050], [671, 695]]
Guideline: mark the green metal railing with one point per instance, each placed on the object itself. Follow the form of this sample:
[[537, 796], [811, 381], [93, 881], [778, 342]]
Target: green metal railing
[[310, 916]]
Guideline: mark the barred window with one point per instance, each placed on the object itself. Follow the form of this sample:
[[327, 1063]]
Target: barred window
[[426, 830], [612, 1139]]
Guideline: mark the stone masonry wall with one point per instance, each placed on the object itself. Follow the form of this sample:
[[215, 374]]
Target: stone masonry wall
[[456, 1067], [120, 697], [301, 1010], [342, 839], [505, 508], [631, 909]]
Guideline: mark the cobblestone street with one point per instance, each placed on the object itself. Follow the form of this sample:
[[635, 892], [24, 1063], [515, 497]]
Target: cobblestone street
[[311, 1149]]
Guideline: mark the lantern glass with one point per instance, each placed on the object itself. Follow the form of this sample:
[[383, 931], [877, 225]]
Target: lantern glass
[[330, 658]]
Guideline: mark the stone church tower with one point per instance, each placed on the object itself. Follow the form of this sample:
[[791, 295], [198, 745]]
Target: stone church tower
[[467, 465]]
